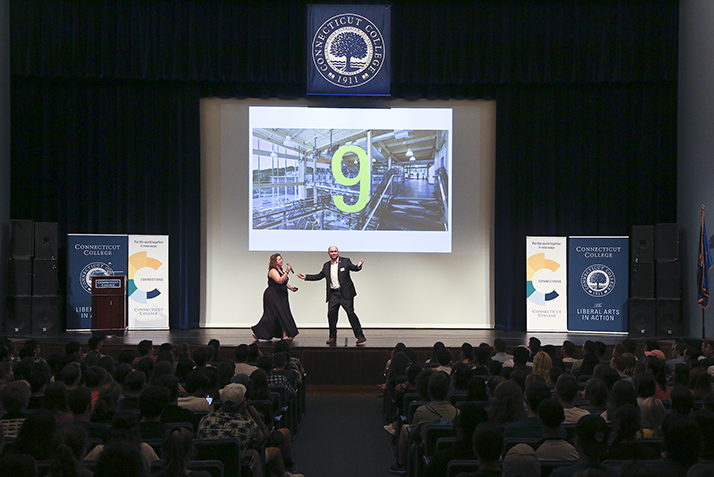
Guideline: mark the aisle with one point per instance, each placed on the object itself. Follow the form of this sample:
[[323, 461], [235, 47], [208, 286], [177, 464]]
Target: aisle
[[342, 436]]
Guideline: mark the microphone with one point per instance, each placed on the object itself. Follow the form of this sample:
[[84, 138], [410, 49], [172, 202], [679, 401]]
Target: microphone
[[291, 270]]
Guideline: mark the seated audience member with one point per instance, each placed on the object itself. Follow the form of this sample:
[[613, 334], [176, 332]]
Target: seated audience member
[[134, 383], [70, 446], [566, 390], [125, 430], [705, 421], [533, 347], [499, 345], [622, 393], [39, 378], [521, 461], [55, 401], [281, 367], [460, 377], [242, 366], [608, 375], [94, 377], [644, 386], [699, 383], [444, 358], [122, 371], [657, 368], [681, 399], [266, 362], [162, 368], [145, 349], [553, 445], [107, 363], [476, 390], [239, 420], [651, 417], [536, 392], [471, 416], [437, 410], [176, 451], [152, 402], [434, 351], [591, 434], [488, 447], [107, 403], [682, 446], [626, 431], [195, 397], [95, 344], [466, 354], [172, 411], [146, 366], [18, 465], [596, 395], [624, 364], [507, 404], [520, 360], [35, 436], [14, 397], [200, 356], [121, 459], [679, 352], [79, 401], [567, 351], [542, 364], [294, 363], [70, 375], [482, 360]]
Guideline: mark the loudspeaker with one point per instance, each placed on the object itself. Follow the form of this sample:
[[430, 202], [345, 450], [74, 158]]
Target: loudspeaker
[[669, 276], [46, 240], [642, 280], [46, 314], [642, 317], [642, 243], [44, 277], [666, 242], [22, 238], [669, 317], [18, 318], [20, 276]]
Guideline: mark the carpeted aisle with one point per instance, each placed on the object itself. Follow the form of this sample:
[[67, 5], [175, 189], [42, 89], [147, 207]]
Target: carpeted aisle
[[342, 436]]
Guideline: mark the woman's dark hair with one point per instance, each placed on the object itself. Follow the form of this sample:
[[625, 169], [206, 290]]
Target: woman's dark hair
[[435, 351], [699, 383], [177, 450], [680, 375], [590, 360], [596, 392], [120, 459], [261, 389], [507, 404], [626, 424], [658, 369], [183, 368], [55, 397], [35, 436], [125, 427], [476, 390], [460, 376], [69, 443], [622, 393], [681, 400], [644, 385]]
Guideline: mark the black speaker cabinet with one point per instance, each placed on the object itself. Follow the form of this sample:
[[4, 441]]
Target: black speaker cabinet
[[18, 318], [642, 317], [44, 277], [46, 240], [46, 314], [666, 242], [642, 243], [669, 280], [22, 238], [642, 280], [669, 317], [20, 276]]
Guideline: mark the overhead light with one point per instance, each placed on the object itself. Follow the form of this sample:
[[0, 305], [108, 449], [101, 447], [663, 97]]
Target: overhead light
[[412, 158], [273, 155], [289, 142], [409, 152]]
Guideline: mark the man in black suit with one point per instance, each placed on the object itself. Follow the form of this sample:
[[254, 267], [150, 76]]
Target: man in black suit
[[340, 292]]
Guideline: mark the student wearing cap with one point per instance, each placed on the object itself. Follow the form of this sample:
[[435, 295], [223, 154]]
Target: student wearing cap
[[237, 419], [591, 434], [521, 461]]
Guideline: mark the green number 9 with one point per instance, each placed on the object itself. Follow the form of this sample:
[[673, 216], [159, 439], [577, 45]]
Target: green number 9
[[362, 178]]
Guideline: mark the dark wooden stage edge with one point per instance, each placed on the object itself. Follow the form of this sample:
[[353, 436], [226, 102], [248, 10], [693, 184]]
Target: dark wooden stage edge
[[339, 365]]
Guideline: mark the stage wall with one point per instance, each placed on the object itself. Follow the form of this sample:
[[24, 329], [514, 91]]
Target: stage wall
[[395, 290]]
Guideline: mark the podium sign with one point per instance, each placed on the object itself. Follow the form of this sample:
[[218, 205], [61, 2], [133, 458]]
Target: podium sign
[[109, 303]]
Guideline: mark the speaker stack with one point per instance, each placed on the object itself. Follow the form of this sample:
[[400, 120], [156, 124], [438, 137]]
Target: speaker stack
[[34, 302], [655, 305]]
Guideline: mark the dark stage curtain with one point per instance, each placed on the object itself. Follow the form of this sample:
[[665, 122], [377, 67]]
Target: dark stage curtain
[[105, 127]]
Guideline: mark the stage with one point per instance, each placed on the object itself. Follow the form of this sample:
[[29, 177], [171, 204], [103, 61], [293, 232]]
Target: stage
[[339, 365]]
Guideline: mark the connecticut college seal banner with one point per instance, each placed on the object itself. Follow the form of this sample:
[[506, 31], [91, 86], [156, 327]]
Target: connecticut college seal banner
[[348, 50], [89, 256], [598, 283]]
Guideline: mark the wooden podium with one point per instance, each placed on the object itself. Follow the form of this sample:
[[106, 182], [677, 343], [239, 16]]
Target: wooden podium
[[109, 303]]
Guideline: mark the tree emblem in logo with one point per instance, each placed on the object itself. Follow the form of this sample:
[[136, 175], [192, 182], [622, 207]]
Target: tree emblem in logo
[[348, 50], [597, 280]]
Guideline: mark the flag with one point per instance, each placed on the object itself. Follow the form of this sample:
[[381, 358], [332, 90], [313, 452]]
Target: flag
[[704, 265]]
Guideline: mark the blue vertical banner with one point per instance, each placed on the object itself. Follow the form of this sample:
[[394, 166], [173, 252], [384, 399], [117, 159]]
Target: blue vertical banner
[[348, 49], [88, 256], [598, 280]]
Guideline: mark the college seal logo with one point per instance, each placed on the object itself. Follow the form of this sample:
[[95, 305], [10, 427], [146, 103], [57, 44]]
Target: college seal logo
[[94, 269], [348, 50], [597, 280]]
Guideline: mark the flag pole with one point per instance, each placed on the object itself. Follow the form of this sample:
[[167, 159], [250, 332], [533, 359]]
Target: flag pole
[[704, 321]]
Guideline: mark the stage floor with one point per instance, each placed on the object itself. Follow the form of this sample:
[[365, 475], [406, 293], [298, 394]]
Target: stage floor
[[315, 338]]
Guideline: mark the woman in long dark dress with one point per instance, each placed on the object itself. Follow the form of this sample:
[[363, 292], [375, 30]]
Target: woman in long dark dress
[[277, 320]]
